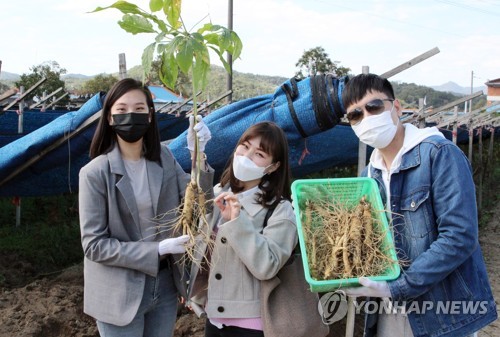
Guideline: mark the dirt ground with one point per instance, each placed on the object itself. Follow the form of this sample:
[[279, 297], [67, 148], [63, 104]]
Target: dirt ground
[[51, 305]]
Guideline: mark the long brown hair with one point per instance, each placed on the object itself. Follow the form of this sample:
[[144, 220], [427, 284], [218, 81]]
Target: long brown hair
[[105, 137], [275, 184]]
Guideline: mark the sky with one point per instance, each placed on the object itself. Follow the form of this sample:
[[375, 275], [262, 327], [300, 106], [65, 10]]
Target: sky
[[380, 34]]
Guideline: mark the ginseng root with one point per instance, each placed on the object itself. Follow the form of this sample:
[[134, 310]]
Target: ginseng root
[[343, 242]]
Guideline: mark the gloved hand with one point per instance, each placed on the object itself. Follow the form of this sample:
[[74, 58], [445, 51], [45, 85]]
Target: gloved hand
[[202, 131], [173, 245], [369, 289]]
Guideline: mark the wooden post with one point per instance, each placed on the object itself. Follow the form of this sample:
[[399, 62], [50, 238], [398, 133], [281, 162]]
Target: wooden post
[[421, 107], [455, 126], [471, 139], [490, 164], [44, 104], [490, 148], [480, 171], [411, 63], [122, 66], [20, 113]]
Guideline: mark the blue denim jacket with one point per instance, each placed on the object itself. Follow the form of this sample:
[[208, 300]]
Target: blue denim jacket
[[434, 218]]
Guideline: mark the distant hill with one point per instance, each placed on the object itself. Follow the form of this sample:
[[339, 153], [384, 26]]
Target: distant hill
[[6, 76], [457, 89], [76, 76], [246, 85]]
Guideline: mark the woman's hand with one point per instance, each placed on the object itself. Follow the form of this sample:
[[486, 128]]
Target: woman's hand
[[229, 205]]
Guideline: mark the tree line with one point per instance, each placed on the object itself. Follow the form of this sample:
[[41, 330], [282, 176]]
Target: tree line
[[313, 61]]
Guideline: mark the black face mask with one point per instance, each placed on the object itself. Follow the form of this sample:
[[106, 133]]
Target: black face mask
[[131, 126]]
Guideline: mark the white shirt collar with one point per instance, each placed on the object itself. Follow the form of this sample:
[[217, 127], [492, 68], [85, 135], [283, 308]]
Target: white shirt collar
[[247, 200]]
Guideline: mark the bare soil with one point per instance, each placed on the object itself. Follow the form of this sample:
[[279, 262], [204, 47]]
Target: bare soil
[[51, 305]]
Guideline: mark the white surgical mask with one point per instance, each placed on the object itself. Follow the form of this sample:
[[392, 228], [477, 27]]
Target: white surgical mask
[[377, 131], [246, 170]]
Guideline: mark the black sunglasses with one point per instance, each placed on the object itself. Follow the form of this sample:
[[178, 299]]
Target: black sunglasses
[[374, 107]]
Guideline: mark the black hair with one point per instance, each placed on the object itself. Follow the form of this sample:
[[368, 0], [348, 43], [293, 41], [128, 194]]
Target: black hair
[[358, 86]]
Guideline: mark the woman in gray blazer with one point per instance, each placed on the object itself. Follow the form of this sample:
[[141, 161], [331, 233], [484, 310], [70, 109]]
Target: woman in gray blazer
[[132, 280], [256, 179]]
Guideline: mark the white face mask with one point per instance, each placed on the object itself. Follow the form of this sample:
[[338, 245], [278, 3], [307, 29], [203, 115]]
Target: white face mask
[[246, 170], [377, 131]]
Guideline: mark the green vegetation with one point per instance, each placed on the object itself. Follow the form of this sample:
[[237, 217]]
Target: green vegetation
[[316, 61], [48, 237], [52, 72], [101, 82]]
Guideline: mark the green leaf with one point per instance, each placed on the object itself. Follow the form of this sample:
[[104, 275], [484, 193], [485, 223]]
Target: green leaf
[[225, 40], [168, 70], [136, 24], [208, 27], [212, 38], [155, 5], [160, 48], [222, 59], [184, 55], [236, 47], [172, 9], [200, 73], [124, 6], [159, 38], [147, 58]]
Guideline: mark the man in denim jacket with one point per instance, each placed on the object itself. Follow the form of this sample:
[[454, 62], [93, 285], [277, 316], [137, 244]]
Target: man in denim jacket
[[427, 186]]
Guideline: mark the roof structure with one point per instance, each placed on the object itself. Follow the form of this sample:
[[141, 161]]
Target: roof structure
[[493, 83], [164, 95]]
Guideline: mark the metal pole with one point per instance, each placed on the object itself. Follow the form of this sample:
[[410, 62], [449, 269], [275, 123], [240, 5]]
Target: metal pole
[[229, 57], [19, 130]]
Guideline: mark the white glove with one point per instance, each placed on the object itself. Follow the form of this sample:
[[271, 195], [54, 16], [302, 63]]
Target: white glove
[[202, 131], [369, 289], [173, 245]]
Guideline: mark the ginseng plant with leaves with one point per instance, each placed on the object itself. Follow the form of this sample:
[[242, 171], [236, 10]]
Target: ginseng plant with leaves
[[180, 49]]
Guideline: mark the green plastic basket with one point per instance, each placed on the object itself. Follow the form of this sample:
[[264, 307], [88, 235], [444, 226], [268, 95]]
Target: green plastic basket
[[347, 191]]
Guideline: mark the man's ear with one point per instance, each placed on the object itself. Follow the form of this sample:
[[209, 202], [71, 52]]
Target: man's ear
[[397, 106]]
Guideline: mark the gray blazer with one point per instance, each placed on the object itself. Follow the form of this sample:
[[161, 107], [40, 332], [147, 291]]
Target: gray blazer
[[116, 260]]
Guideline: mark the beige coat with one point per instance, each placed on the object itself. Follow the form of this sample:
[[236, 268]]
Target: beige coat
[[241, 258], [116, 260]]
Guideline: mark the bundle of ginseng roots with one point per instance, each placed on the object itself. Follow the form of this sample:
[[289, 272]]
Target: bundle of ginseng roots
[[190, 220], [343, 242]]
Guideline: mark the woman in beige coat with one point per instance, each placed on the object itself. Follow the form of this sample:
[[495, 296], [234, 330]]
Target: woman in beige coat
[[256, 179], [132, 282]]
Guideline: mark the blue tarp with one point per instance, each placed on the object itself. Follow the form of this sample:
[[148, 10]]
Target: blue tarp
[[57, 171], [336, 146], [307, 110]]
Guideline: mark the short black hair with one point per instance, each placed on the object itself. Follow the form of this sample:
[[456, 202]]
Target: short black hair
[[358, 86]]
